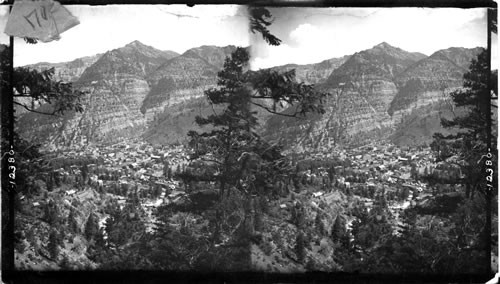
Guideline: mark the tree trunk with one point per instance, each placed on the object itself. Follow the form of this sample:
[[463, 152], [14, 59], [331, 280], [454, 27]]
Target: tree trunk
[[218, 219]]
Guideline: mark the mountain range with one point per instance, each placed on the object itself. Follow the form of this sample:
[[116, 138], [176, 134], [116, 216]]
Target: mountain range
[[137, 91]]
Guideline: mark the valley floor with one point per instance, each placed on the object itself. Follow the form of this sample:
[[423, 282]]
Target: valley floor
[[377, 208]]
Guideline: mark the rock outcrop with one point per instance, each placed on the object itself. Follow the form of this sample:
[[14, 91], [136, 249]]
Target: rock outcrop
[[67, 71], [369, 94], [314, 73], [138, 90], [184, 78], [361, 90], [432, 79], [117, 85]]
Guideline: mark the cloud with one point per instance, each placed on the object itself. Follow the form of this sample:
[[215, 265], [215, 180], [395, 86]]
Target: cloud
[[323, 33], [166, 27], [305, 33], [275, 56]]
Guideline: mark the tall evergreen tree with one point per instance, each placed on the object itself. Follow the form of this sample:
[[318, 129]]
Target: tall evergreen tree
[[51, 213], [72, 222], [338, 229], [53, 245], [245, 160], [91, 227], [300, 247], [470, 142]]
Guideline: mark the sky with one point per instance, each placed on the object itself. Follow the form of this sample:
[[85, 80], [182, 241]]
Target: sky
[[166, 27], [309, 35], [314, 34]]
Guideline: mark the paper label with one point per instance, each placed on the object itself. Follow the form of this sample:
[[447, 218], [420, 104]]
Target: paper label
[[44, 20]]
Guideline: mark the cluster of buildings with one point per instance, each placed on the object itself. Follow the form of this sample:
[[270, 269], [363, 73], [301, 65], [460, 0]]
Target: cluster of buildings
[[397, 173], [146, 171], [120, 170]]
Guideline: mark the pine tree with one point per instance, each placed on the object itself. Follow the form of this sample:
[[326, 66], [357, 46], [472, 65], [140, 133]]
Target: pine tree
[[233, 143], [53, 245], [258, 216], [166, 168], [72, 222], [413, 172], [84, 172], [338, 229], [169, 173], [300, 249], [91, 227], [51, 212], [260, 19], [320, 226], [49, 184], [470, 143], [298, 217], [476, 137], [65, 264], [111, 227]]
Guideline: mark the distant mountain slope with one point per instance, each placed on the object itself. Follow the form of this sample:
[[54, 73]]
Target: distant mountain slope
[[314, 73], [382, 62], [177, 97], [67, 71], [433, 78], [184, 77], [134, 58], [417, 126], [63, 71], [117, 85], [138, 90], [361, 90], [371, 91], [173, 125]]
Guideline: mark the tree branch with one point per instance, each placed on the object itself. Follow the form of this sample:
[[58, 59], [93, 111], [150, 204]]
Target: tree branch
[[35, 111], [274, 112], [23, 95]]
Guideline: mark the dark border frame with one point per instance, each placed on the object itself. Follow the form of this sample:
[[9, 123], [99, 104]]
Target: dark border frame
[[11, 275], [299, 3]]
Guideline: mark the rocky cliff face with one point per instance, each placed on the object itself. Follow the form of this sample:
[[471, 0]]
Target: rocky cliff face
[[432, 79], [134, 58], [67, 71], [64, 71], [382, 62], [361, 89], [365, 87], [314, 73], [177, 90], [184, 78], [138, 90], [371, 91], [116, 85], [130, 88]]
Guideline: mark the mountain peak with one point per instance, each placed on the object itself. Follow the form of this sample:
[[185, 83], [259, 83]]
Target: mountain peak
[[384, 45], [138, 46], [135, 43]]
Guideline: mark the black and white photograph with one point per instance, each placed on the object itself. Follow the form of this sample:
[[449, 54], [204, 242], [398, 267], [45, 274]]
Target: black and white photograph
[[236, 138]]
